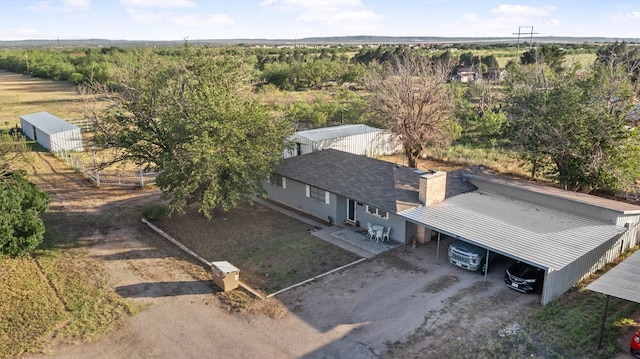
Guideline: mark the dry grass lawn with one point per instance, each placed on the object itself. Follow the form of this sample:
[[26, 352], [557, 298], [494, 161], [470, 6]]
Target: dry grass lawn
[[21, 95], [271, 250]]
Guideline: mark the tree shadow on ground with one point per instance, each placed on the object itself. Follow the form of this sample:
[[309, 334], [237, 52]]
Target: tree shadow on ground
[[166, 289]]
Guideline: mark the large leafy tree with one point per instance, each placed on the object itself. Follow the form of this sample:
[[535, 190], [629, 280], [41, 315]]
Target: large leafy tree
[[195, 121], [21, 204], [413, 100], [575, 122], [551, 55]]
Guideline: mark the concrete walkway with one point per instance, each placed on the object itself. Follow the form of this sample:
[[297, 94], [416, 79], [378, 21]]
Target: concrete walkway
[[349, 239]]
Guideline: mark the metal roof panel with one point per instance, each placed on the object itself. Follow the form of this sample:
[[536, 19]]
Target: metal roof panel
[[527, 231], [324, 133], [49, 123], [622, 281]]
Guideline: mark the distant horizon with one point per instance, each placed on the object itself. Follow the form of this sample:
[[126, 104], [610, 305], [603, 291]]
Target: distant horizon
[[177, 20], [352, 39]]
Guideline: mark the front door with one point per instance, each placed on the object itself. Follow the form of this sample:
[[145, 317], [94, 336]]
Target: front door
[[351, 210]]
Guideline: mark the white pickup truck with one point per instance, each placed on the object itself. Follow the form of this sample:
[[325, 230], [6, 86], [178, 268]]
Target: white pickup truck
[[468, 256]]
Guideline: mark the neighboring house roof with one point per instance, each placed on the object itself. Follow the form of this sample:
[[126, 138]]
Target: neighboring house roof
[[49, 123], [465, 70], [523, 230], [378, 183], [324, 133]]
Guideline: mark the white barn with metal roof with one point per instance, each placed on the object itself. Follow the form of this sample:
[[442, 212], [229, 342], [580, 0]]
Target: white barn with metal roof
[[357, 139], [53, 133], [569, 235]]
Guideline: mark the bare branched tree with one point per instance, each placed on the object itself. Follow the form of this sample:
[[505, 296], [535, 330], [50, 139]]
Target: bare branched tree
[[413, 100], [12, 153]]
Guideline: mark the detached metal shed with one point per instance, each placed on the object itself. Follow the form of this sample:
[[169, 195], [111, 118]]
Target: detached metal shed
[[52, 132], [356, 139]]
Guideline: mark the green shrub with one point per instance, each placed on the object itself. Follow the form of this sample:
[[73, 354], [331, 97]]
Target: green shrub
[[154, 211]]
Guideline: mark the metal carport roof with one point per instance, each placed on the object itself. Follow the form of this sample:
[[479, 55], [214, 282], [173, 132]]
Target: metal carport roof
[[526, 231], [621, 281]]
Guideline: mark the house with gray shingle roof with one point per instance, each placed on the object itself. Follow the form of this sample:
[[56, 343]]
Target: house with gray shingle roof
[[568, 235], [341, 187]]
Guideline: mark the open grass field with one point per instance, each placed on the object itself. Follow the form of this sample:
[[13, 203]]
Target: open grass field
[[21, 95]]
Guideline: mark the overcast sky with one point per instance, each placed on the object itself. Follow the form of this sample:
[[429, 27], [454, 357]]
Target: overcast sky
[[295, 19]]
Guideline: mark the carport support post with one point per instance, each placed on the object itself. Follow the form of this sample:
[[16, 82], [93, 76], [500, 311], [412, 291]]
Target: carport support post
[[486, 267], [438, 250], [604, 319]]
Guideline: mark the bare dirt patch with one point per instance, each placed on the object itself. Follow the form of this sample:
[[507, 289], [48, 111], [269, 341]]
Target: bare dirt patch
[[424, 163]]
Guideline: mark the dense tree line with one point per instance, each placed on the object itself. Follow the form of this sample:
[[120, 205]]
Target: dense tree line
[[554, 114]]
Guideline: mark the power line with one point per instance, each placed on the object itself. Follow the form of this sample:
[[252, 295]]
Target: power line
[[530, 33]]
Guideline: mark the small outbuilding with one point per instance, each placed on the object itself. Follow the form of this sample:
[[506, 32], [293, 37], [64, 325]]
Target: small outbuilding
[[52, 132], [356, 139]]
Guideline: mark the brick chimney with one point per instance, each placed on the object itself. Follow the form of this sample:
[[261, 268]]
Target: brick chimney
[[433, 186]]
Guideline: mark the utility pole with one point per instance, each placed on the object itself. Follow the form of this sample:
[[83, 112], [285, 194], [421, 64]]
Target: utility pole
[[530, 33]]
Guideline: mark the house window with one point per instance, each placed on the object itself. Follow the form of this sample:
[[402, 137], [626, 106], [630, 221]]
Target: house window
[[278, 180], [318, 194], [377, 212]]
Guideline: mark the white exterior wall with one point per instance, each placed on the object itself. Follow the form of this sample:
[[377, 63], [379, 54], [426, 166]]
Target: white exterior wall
[[558, 282], [27, 128], [294, 196], [66, 141], [632, 236], [371, 144], [305, 144]]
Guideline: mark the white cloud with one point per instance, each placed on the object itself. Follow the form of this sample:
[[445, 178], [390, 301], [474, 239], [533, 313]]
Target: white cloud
[[332, 12], [77, 3], [553, 22], [18, 33], [148, 17], [504, 20], [470, 17], [296, 5], [197, 21], [164, 4], [61, 7], [342, 16], [507, 10], [634, 15], [167, 11]]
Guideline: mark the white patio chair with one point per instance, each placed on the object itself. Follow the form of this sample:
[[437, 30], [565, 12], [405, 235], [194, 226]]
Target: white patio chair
[[385, 235], [379, 234], [371, 234]]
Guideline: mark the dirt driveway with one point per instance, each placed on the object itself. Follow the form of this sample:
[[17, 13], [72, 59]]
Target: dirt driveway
[[399, 304]]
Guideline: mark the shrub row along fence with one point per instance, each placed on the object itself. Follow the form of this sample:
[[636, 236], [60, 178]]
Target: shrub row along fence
[[103, 177]]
